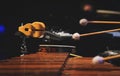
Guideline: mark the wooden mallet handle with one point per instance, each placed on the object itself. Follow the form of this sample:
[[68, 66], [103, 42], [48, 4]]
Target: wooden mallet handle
[[100, 32], [105, 22], [75, 55], [111, 57]]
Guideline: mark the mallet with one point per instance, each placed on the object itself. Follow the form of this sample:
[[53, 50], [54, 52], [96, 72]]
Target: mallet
[[100, 59], [84, 22], [76, 36]]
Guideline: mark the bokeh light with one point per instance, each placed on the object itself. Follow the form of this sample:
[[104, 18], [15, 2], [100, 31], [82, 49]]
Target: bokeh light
[[2, 28], [87, 7]]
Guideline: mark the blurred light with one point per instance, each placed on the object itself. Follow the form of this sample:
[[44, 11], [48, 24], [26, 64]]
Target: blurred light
[[2, 28], [87, 7], [115, 34]]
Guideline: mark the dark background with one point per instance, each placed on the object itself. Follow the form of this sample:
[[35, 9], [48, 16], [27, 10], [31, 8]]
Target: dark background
[[59, 14]]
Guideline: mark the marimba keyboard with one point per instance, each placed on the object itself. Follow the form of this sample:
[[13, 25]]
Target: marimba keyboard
[[55, 64]]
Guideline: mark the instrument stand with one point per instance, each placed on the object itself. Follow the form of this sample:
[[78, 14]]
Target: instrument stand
[[23, 47]]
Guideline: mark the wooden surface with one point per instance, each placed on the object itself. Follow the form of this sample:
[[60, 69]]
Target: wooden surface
[[84, 67], [52, 64]]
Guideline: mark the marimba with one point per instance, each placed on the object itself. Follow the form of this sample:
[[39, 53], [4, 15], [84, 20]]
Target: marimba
[[55, 64]]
